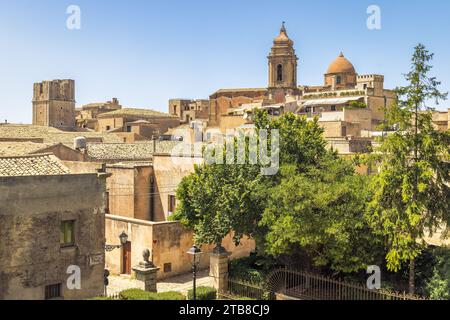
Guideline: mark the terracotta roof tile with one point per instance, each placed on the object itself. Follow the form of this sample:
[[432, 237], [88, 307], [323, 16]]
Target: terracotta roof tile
[[31, 165], [134, 112]]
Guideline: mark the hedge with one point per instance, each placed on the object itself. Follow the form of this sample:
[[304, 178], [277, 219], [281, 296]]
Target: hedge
[[203, 293], [101, 298], [138, 294]]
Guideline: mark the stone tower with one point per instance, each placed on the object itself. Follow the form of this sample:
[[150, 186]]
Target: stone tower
[[282, 66], [54, 104]]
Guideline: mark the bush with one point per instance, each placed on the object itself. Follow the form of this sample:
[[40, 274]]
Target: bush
[[101, 298], [438, 288], [254, 268], [134, 294], [138, 294], [203, 293], [170, 295]]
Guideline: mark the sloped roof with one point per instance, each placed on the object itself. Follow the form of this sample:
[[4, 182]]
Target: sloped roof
[[120, 151], [134, 112], [21, 148], [52, 135], [32, 165], [139, 151], [231, 90]]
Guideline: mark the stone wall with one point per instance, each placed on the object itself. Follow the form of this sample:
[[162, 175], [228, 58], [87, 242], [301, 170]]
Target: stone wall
[[168, 243], [31, 211], [131, 192], [168, 173]]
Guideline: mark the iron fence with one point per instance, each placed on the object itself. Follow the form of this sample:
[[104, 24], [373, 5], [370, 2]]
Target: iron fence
[[308, 286], [294, 284], [238, 289]]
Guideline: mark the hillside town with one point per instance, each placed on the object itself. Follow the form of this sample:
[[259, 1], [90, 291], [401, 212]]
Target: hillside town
[[95, 189]]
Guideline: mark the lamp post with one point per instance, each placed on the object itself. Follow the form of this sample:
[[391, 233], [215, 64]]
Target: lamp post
[[123, 240], [123, 237], [195, 252]]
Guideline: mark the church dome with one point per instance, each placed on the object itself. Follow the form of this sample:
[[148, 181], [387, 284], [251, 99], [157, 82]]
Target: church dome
[[341, 65]]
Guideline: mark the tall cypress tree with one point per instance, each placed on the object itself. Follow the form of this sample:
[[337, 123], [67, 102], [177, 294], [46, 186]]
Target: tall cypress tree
[[411, 192]]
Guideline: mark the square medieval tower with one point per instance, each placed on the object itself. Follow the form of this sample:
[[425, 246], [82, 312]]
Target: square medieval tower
[[54, 104]]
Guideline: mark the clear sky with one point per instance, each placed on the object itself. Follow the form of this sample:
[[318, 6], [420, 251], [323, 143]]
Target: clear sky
[[146, 52]]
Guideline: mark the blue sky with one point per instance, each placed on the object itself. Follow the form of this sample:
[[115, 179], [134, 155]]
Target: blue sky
[[146, 52]]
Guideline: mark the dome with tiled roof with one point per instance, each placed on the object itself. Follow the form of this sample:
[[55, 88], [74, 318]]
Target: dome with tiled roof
[[341, 65]]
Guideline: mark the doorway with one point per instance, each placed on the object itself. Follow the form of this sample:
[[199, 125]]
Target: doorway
[[126, 258]]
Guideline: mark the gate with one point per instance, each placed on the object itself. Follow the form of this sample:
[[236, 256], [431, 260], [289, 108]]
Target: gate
[[301, 285]]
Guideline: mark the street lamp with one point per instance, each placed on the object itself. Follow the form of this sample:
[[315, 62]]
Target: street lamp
[[123, 237], [195, 252]]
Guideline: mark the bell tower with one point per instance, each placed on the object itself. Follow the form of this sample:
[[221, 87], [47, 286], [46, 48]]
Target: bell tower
[[283, 63]]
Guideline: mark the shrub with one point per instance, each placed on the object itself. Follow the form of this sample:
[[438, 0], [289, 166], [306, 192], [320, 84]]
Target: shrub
[[101, 298], [138, 294], [203, 293], [252, 269], [170, 295], [134, 294]]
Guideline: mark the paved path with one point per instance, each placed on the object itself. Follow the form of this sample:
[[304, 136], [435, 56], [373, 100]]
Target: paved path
[[181, 283]]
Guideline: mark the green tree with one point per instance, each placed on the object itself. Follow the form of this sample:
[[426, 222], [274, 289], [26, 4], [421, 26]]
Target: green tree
[[219, 198], [317, 203], [411, 191], [321, 212], [301, 141]]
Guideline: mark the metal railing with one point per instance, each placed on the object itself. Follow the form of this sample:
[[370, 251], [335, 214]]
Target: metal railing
[[308, 286], [302, 285], [237, 289]]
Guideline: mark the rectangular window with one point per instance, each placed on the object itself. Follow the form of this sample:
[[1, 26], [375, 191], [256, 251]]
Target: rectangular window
[[53, 291], [167, 267], [333, 108], [107, 202], [172, 204], [67, 233], [128, 128]]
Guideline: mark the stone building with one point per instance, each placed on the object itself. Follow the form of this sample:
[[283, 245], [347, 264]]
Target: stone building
[[189, 110], [54, 104], [52, 226], [282, 82], [347, 104], [144, 122], [338, 103], [86, 116], [142, 198], [441, 120]]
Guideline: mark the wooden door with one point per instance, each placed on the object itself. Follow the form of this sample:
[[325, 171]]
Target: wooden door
[[126, 258]]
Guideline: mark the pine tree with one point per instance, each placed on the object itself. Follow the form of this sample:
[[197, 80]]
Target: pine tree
[[411, 192]]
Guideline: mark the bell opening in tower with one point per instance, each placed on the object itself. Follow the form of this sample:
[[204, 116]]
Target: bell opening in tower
[[279, 73]]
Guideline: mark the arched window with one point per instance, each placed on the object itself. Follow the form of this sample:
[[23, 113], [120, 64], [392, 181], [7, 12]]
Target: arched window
[[279, 72]]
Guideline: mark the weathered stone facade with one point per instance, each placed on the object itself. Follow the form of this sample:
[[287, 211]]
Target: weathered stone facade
[[168, 243], [32, 209], [54, 104], [282, 82], [189, 110], [86, 116]]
